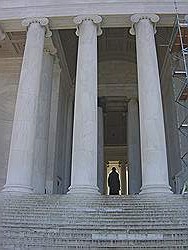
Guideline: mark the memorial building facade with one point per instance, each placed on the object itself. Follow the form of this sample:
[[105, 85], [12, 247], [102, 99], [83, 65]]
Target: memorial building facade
[[90, 87], [84, 87]]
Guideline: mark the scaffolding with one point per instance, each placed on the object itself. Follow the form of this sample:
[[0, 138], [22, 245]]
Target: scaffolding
[[178, 50]]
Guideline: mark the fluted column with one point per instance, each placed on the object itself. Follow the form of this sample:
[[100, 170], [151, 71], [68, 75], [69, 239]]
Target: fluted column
[[69, 123], [84, 153], [42, 126], [153, 144], [52, 138], [100, 151], [20, 163], [133, 136]]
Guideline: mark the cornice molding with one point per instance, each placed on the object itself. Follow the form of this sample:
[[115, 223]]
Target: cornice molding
[[115, 13]]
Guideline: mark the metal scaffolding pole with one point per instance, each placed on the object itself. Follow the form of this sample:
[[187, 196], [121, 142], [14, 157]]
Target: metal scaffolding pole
[[178, 51]]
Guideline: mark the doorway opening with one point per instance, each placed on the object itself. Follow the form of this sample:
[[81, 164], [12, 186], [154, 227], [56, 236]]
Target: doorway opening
[[122, 170]]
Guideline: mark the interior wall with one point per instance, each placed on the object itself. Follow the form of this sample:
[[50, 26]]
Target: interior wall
[[115, 131]]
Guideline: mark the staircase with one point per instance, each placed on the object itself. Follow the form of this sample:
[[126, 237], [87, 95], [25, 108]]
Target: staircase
[[56, 222]]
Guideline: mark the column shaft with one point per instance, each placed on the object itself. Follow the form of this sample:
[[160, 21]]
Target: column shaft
[[134, 147], [153, 145], [84, 154], [42, 127], [20, 163], [100, 151], [52, 139], [69, 123]]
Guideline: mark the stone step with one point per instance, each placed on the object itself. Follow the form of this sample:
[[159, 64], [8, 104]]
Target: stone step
[[63, 199], [102, 246], [63, 214], [98, 199], [108, 240], [94, 206], [88, 214], [67, 205], [94, 217], [84, 203], [64, 229], [139, 227], [96, 236], [119, 222], [97, 212], [87, 233], [94, 211], [135, 226], [101, 218]]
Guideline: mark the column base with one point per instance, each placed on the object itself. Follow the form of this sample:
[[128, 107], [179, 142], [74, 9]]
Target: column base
[[17, 188], [155, 189], [91, 190]]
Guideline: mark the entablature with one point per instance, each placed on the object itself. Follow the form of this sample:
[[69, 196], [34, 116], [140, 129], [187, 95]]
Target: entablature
[[61, 12]]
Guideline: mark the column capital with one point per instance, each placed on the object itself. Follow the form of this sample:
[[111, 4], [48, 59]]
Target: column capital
[[50, 51], [2, 34], [78, 20], [153, 18], [43, 21]]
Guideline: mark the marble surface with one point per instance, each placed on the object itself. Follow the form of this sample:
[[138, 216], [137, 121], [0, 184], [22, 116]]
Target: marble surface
[[42, 125], [134, 159], [153, 144], [116, 13], [9, 78], [52, 138], [100, 150], [22, 141], [84, 153]]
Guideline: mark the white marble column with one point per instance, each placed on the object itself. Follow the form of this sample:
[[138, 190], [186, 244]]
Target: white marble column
[[42, 126], [68, 149], [20, 163], [153, 144], [62, 165], [84, 153], [52, 138], [133, 136], [100, 151]]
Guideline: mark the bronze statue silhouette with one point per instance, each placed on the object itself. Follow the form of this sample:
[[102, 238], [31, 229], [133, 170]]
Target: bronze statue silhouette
[[113, 182]]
